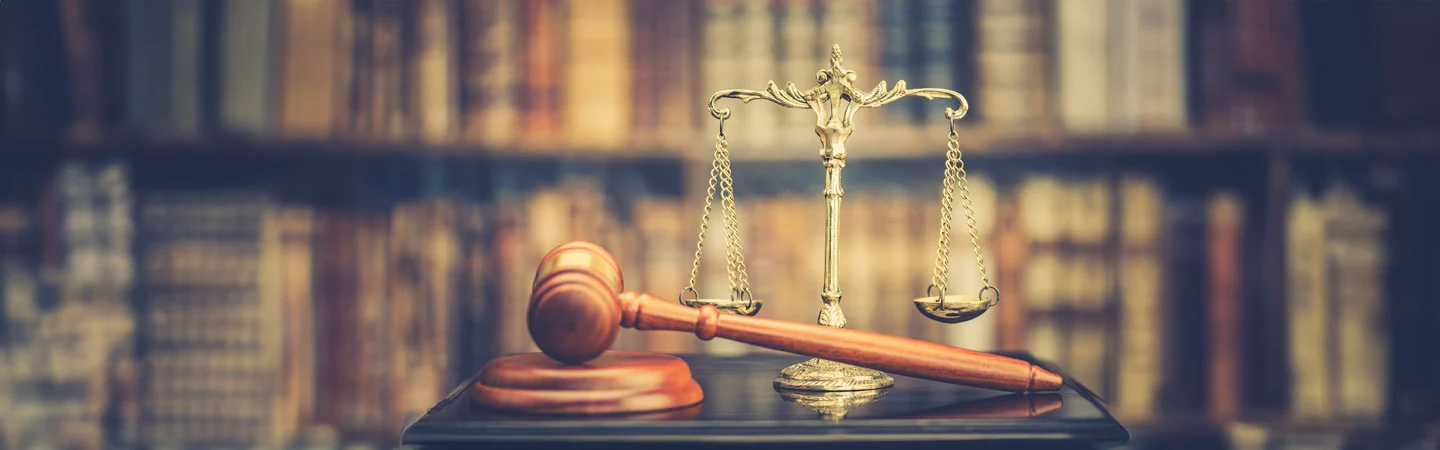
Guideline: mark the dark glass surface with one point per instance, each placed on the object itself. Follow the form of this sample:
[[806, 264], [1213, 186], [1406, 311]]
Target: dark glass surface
[[742, 407]]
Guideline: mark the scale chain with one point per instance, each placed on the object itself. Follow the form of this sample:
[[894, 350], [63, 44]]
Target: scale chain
[[955, 175], [734, 256], [721, 176], [705, 216]]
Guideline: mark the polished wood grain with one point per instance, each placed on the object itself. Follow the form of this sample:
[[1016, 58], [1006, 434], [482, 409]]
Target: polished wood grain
[[894, 354], [613, 383], [568, 278], [614, 370], [576, 312], [1009, 406]]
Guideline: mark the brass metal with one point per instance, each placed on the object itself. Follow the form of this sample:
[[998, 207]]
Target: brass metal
[[740, 301], [832, 406], [951, 308], [834, 100], [817, 374], [940, 307]]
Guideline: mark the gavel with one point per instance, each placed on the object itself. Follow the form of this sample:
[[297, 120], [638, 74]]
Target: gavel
[[579, 304]]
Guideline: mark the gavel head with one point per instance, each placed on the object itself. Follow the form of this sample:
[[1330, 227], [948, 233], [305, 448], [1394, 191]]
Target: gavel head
[[574, 312]]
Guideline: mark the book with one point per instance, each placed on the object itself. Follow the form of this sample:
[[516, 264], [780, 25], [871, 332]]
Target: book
[[1082, 66], [433, 70], [1148, 62], [1308, 323], [1012, 255], [212, 327], [544, 38], [1355, 263], [1089, 267], [1041, 200], [309, 96], [247, 72], [1142, 288], [490, 70], [596, 86], [1013, 63], [1225, 243]]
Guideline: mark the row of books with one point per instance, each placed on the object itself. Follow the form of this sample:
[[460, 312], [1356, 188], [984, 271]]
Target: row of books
[[69, 324], [250, 321], [613, 74]]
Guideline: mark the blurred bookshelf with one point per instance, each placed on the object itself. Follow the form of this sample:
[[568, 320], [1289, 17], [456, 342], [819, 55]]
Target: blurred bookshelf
[[299, 223]]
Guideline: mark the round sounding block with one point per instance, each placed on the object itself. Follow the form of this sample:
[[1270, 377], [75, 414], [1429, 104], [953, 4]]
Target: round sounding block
[[617, 382]]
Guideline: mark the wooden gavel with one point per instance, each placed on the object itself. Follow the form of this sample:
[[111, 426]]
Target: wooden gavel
[[579, 303]]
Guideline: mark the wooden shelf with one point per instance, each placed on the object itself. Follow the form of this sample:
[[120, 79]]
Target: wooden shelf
[[44, 149], [891, 144]]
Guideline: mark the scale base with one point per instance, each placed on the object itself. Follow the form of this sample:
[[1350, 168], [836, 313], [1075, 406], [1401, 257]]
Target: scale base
[[829, 376], [832, 406], [616, 383]]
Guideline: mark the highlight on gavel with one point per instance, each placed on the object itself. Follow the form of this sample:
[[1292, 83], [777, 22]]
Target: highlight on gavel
[[579, 303]]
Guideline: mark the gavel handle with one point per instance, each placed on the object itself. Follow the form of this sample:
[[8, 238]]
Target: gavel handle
[[893, 354]]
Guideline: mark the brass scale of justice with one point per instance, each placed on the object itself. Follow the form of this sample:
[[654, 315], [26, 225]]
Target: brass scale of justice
[[835, 101]]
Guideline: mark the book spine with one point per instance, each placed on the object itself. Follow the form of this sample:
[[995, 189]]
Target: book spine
[[1040, 201], [1091, 272], [514, 276], [1184, 312], [1013, 62], [676, 60], [1226, 331], [1355, 267], [1309, 333], [85, 65], [1012, 256], [297, 399], [361, 69], [247, 70], [895, 53], [491, 68], [185, 86], [1082, 61], [544, 45], [432, 78], [308, 82], [390, 118], [597, 86], [1155, 57], [344, 45], [1138, 367], [366, 406], [211, 308], [148, 74]]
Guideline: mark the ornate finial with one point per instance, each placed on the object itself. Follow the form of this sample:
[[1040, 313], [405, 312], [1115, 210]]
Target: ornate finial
[[835, 58]]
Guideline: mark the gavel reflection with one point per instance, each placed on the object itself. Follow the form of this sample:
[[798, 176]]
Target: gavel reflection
[[1008, 406], [579, 304]]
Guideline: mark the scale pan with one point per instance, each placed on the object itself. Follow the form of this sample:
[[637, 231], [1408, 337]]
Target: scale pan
[[954, 308]]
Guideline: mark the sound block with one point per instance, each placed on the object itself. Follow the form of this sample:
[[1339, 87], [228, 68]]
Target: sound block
[[617, 382]]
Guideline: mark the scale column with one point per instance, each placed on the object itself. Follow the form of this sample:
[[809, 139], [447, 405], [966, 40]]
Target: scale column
[[830, 313], [833, 126]]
